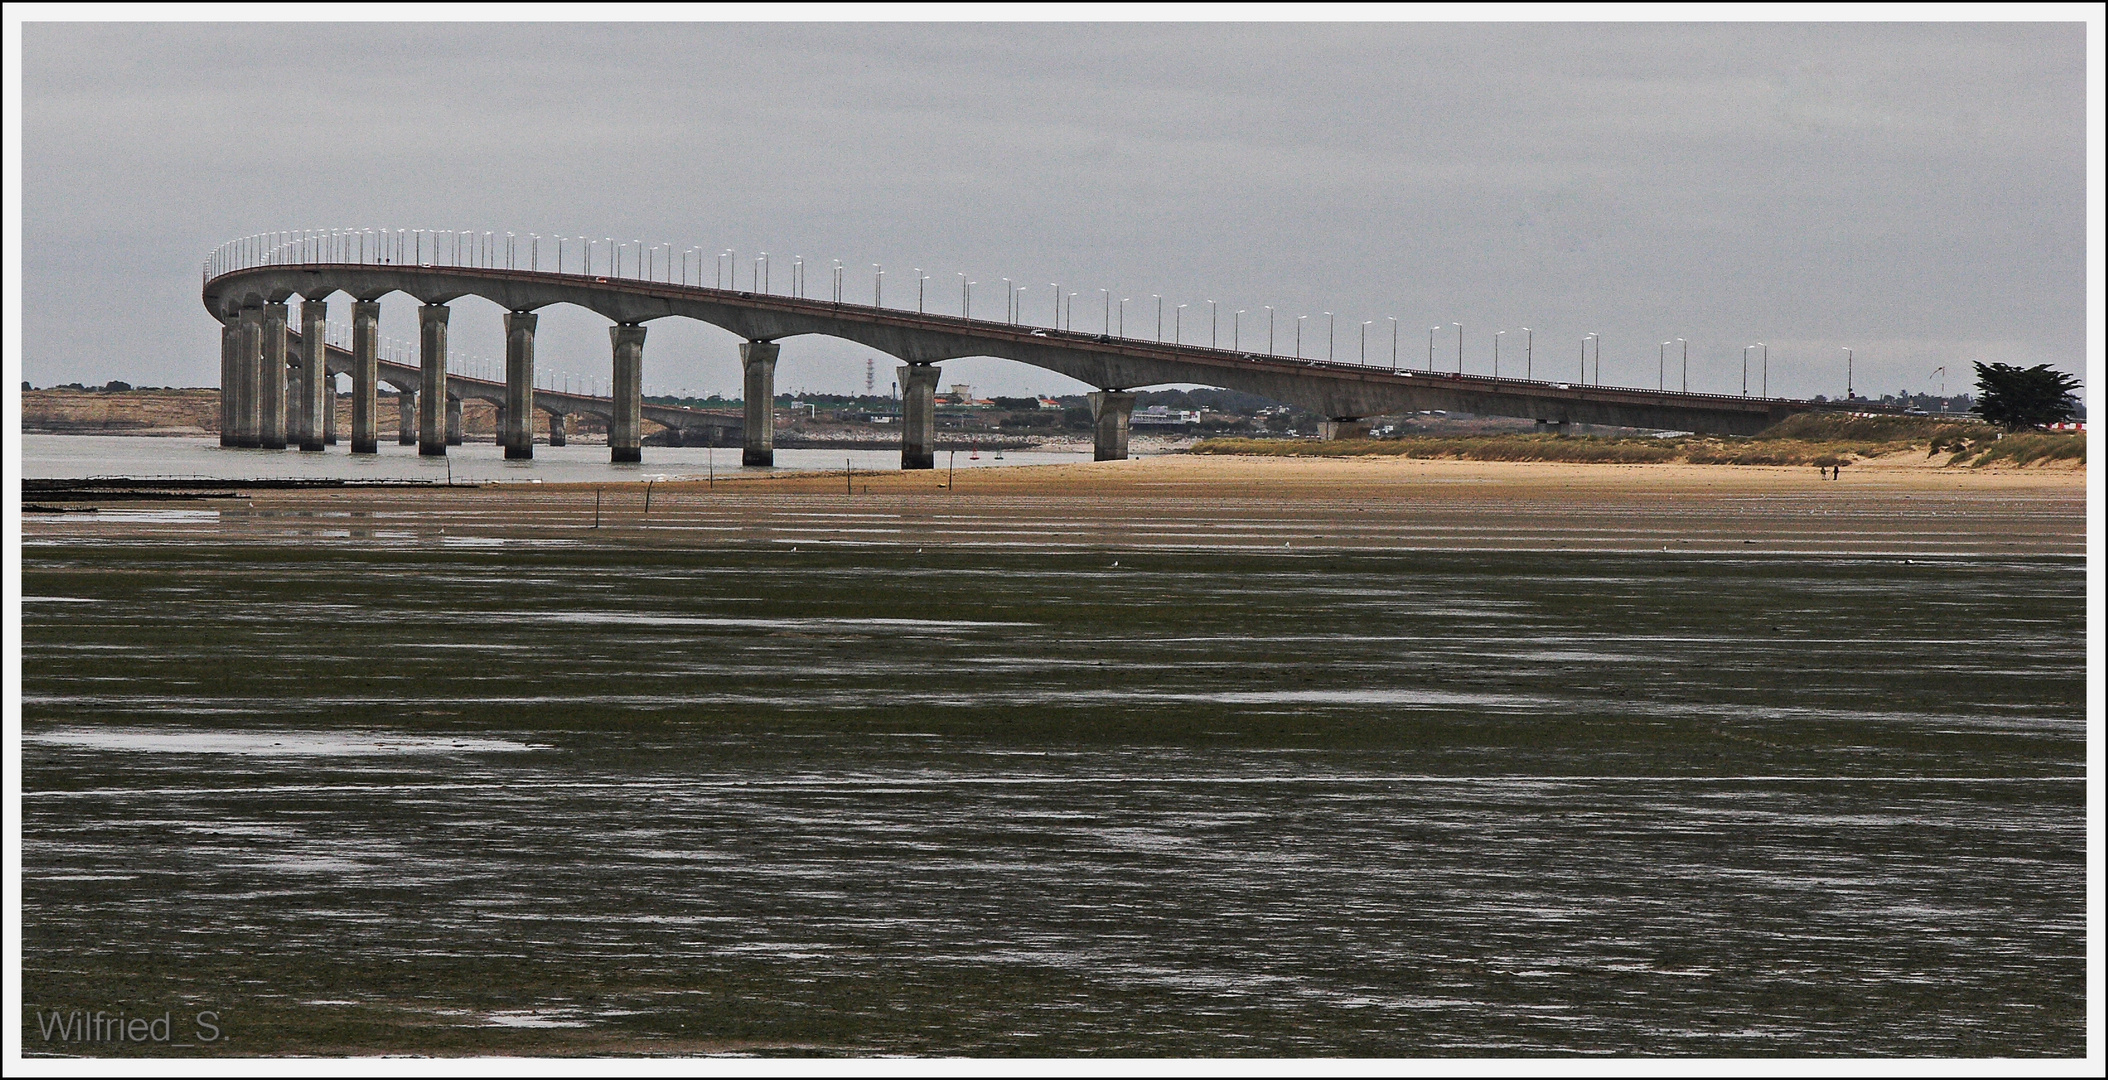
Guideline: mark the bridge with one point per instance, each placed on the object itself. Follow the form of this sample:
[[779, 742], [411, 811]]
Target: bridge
[[247, 285]]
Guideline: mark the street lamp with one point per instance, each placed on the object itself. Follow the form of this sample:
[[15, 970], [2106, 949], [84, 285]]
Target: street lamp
[[1159, 315], [1178, 325], [1460, 347], [1745, 369], [1394, 343], [1331, 336], [1237, 331], [1009, 297], [878, 286], [1848, 373], [1211, 324], [1269, 329], [965, 298], [1584, 358], [1767, 367], [1299, 335], [920, 278], [1431, 347], [1528, 360], [1123, 318], [1496, 352], [1661, 367], [1108, 326], [1686, 365], [1365, 342]]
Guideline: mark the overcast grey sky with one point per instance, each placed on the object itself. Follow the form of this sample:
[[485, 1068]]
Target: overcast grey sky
[[1913, 191]]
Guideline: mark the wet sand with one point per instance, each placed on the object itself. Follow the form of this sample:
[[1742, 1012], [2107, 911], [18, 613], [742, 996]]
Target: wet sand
[[1175, 756], [1899, 506]]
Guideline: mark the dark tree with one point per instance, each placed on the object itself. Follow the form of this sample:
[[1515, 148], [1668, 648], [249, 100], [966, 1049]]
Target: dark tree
[[2016, 398]]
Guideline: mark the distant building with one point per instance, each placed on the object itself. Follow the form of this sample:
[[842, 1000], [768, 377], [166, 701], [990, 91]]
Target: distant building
[[1164, 416]]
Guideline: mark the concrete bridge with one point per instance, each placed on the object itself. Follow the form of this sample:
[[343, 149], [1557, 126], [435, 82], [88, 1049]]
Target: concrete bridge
[[247, 285]]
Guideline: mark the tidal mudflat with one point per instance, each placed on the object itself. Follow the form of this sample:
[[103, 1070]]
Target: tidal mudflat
[[1167, 773]]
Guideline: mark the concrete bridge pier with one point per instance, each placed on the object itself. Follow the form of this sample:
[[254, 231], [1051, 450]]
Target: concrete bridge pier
[[315, 380], [453, 420], [759, 360], [431, 358], [248, 379], [406, 414], [918, 415], [1343, 427], [296, 395], [270, 397], [516, 416], [230, 373], [1556, 427], [365, 377], [556, 427], [625, 429], [1110, 412], [329, 405]]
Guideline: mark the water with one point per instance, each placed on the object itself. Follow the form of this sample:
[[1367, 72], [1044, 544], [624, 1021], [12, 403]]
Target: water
[[75, 456], [734, 799]]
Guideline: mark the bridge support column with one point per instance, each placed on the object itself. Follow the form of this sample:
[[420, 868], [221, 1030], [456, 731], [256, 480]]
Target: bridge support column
[[406, 414], [431, 360], [230, 373], [315, 381], [556, 429], [365, 378], [1110, 412], [918, 415], [329, 404], [453, 420], [296, 394], [1556, 427], [759, 359], [270, 397], [248, 423], [516, 418], [248, 378], [625, 428], [1343, 427]]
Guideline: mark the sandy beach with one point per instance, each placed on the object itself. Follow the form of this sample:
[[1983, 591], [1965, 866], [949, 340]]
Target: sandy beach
[[1893, 506]]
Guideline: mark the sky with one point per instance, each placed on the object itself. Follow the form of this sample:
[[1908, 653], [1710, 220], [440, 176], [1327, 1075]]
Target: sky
[[1912, 192]]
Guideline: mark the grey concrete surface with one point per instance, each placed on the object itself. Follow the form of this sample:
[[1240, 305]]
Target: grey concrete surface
[[365, 377], [918, 415], [758, 359], [1111, 412], [516, 433], [270, 394], [431, 357]]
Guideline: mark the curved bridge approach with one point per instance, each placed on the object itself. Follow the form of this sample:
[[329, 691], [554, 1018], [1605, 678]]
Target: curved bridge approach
[[248, 283]]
